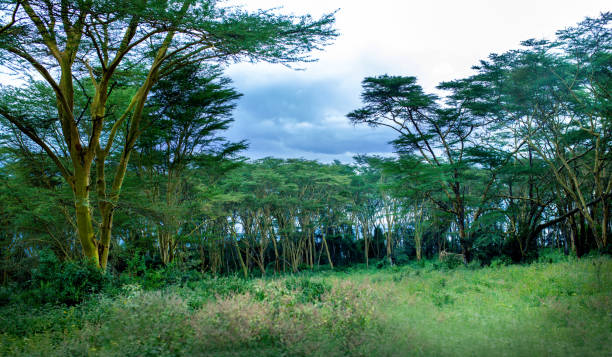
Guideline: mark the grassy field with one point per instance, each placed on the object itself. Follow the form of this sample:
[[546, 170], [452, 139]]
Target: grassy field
[[544, 309]]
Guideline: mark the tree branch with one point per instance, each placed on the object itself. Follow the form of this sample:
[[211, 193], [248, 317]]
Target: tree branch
[[34, 137]]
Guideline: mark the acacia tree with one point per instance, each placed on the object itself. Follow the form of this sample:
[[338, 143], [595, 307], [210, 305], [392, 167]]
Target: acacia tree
[[68, 43], [389, 204], [35, 212], [439, 137], [181, 155], [330, 197], [414, 210], [365, 203], [555, 96]]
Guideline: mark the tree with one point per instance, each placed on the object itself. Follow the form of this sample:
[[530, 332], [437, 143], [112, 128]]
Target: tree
[[180, 157], [69, 43], [556, 97], [439, 137], [390, 204], [365, 203]]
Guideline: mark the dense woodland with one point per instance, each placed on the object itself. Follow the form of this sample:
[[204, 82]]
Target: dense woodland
[[113, 148]]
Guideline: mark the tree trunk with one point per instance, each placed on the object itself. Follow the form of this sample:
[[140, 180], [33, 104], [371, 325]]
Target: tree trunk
[[105, 234], [245, 269], [389, 248], [604, 223], [331, 264], [83, 215], [365, 231], [418, 246], [276, 257], [312, 250], [465, 246], [261, 260]]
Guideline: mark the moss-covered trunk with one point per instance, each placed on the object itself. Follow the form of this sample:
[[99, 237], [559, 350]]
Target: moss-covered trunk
[[84, 219]]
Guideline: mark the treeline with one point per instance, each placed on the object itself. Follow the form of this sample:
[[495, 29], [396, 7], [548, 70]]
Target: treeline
[[520, 150], [128, 165]]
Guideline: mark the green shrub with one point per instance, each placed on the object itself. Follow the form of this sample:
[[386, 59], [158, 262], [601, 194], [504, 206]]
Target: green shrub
[[399, 276], [442, 298], [153, 279], [501, 261], [309, 291], [67, 283], [199, 292], [5, 295], [450, 260], [229, 286], [136, 265], [551, 256], [382, 263], [401, 258], [474, 264]]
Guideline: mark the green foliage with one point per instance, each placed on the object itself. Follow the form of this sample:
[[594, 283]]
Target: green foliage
[[226, 286], [451, 261], [136, 265], [552, 256], [401, 258], [137, 45], [474, 264], [500, 262], [5, 295], [170, 275], [441, 298], [67, 282], [381, 264], [364, 312], [310, 291], [29, 320]]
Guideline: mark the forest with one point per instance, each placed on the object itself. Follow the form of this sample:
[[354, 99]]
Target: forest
[[131, 225]]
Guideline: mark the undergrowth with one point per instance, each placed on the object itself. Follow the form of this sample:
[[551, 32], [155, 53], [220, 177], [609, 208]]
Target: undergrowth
[[556, 306]]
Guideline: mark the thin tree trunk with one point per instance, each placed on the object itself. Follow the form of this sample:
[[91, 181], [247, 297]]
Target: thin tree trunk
[[389, 258], [312, 248], [365, 232], [276, 257], [245, 269], [604, 223], [331, 263]]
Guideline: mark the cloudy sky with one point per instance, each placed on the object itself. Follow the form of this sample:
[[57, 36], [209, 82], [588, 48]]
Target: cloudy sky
[[288, 113]]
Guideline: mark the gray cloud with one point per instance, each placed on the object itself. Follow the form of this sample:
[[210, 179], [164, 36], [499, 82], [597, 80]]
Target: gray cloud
[[288, 113], [304, 119]]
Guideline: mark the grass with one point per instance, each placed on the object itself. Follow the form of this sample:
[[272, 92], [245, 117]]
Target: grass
[[544, 309]]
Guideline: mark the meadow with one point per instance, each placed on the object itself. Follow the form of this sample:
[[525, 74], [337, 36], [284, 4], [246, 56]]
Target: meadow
[[559, 306]]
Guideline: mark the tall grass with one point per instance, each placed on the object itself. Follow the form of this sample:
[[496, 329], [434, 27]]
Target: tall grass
[[544, 309]]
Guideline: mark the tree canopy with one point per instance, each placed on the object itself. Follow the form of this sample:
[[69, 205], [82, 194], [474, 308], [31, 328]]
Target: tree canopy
[[84, 50], [116, 138]]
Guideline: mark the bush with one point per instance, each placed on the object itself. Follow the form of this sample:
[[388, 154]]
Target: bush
[[5, 295], [136, 265], [451, 260], [153, 279], [64, 282], [501, 261], [401, 258], [607, 250], [474, 264], [551, 256], [309, 291], [201, 291]]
